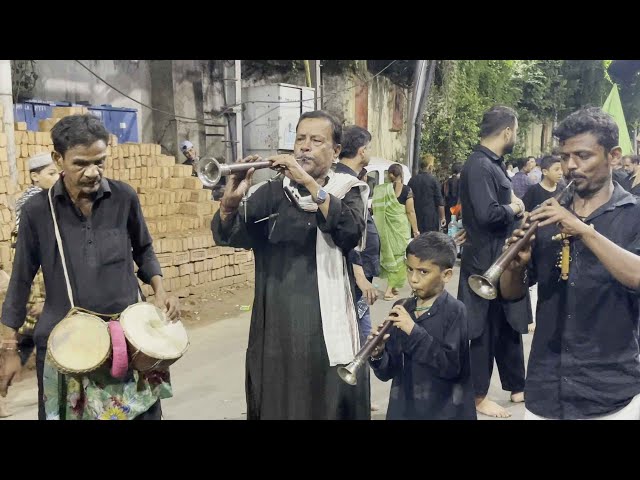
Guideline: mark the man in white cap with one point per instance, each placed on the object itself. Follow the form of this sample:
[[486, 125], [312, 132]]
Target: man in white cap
[[189, 151]]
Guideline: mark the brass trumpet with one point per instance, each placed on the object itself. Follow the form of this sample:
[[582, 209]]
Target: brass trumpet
[[210, 171], [486, 285], [349, 373]]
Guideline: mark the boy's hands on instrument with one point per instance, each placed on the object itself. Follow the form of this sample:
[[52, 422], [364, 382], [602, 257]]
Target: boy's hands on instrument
[[380, 347], [401, 319]]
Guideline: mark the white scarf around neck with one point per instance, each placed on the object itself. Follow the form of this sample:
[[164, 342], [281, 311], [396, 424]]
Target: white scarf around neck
[[337, 307]]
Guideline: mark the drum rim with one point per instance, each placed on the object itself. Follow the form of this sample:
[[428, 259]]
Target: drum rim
[[138, 348], [72, 371]]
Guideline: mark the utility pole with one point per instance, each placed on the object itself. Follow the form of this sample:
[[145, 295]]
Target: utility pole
[[316, 82], [423, 80], [232, 83]]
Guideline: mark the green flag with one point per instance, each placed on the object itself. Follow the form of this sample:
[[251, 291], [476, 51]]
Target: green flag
[[613, 106]]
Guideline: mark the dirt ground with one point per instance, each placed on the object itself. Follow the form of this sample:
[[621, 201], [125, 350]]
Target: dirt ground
[[218, 305]]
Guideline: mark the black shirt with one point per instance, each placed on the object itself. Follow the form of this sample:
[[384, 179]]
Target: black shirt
[[452, 190], [99, 250], [405, 195], [485, 195], [536, 195], [622, 177], [427, 197], [369, 258], [584, 355], [431, 367]]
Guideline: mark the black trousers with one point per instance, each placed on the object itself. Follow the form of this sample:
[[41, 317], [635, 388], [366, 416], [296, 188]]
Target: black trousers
[[154, 412], [501, 342], [26, 346]]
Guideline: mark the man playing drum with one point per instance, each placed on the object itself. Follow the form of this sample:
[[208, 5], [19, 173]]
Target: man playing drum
[[100, 231]]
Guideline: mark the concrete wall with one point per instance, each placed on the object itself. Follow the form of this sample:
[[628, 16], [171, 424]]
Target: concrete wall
[[339, 93], [66, 80], [187, 88], [193, 89]]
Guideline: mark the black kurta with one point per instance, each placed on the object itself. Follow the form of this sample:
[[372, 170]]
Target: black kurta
[[430, 368], [287, 367], [485, 195], [427, 198]]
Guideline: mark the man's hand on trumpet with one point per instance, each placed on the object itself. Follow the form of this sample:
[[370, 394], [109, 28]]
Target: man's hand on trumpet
[[552, 212], [524, 255], [292, 169], [237, 187]]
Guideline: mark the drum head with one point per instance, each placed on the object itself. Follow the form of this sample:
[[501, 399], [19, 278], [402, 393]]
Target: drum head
[[80, 343], [148, 329]]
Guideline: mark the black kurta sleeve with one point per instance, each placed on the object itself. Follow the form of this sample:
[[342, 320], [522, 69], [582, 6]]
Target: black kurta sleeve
[[390, 364], [25, 267], [345, 222], [242, 232], [488, 211]]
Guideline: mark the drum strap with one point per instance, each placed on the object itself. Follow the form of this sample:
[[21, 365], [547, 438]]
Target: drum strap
[[59, 243]]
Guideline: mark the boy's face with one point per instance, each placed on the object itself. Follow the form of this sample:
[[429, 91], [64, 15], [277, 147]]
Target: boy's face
[[554, 172], [425, 277], [46, 177], [190, 153]]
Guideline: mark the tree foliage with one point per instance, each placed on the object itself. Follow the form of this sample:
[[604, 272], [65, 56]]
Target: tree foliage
[[539, 90]]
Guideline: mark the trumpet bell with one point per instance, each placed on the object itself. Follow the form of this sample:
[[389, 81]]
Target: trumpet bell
[[483, 287], [209, 172], [348, 373]]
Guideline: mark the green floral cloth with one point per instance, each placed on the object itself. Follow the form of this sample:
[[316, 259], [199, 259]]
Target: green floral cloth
[[99, 396]]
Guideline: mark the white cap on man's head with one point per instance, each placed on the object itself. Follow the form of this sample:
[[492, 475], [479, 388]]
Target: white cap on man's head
[[40, 160], [186, 145]]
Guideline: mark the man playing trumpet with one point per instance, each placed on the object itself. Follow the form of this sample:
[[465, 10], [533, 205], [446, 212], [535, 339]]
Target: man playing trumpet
[[303, 324], [584, 356]]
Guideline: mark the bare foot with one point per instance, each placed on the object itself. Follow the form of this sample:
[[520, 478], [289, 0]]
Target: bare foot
[[517, 397], [4, 408], [374, 407], [389, 296], [491, 409], [532, 327]]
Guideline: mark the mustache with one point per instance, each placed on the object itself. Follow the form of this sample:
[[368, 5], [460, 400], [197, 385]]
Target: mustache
[[303, 158], [573, 176]]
